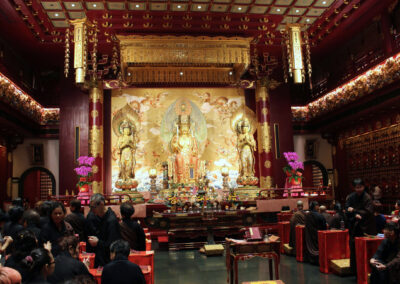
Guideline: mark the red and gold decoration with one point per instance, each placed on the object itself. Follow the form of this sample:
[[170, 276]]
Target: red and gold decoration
[[294, 174], [19, 100], [96, 144], [365, 84], [294, 63]]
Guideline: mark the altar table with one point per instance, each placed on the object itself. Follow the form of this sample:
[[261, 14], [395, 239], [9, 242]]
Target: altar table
[[300, 234], [284, 233], [243, 250], [146, 270], [365, 250], [333, 244]]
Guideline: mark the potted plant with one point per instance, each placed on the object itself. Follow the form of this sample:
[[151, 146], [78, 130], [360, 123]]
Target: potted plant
[[84, 172], [294, 174]]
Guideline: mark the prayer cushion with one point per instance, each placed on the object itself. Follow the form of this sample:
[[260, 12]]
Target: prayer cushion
[[341, 266], [213, 249]]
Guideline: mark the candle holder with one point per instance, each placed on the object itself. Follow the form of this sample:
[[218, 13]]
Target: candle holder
[[153, 186], [225, 175]]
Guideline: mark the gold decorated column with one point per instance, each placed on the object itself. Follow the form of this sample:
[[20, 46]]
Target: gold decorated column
[[96, 145], [264, 138]]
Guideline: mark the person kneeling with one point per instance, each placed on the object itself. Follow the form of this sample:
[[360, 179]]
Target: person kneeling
[[386, 261], [120, 270]]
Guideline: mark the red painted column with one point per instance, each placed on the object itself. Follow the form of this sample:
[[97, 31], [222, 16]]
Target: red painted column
[[264, 137], [96, 143]]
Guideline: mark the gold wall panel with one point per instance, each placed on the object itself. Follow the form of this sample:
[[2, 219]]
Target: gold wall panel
[[216, 105]]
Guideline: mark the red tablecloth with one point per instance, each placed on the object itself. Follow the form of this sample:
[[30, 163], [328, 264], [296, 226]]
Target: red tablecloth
[[365, 249], [146, 269], [333, 244], [300, 232], [91, 257], [284, 233], [143, 258]]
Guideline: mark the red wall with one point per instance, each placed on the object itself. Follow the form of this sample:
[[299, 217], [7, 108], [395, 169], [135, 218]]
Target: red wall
[[74, 112]]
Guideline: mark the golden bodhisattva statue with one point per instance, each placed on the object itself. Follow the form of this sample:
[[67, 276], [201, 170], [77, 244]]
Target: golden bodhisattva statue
[[126, 148], [246, 145], [185, 152]]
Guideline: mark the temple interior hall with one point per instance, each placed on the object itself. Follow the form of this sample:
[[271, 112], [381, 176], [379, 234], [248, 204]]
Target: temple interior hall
[[200, 141]]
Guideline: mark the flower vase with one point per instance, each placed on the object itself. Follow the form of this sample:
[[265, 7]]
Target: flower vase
[[296, 187], [84, 194]]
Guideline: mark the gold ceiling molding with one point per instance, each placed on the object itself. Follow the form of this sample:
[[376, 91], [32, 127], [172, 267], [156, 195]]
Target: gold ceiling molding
[[183, 59]]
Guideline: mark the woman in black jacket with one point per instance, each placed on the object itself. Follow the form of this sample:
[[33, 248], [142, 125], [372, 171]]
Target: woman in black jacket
[[68, 265]]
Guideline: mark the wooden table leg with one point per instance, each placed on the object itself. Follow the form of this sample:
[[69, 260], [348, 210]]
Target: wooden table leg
[[271, 274], [276, 262], [235, 262]]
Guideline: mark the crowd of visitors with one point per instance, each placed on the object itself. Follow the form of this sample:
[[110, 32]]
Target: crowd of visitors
[[41, 245]]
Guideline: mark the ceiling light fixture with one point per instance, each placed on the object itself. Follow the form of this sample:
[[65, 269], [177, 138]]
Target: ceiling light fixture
[[278, 10], [198, 7], [230, 73], [137, 6], [324, 3], [308, 20], [297, 11], [94, 5], [179, 6], [240, 8], [73, 4], [181, 73], [56, 14]]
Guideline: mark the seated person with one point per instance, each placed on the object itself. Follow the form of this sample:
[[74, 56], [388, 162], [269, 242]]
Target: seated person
[[298, 218], [386, 261], [131, 231], [314, 222], [120, 270], [396, 212], [380, 219], [76, 219], [67, 264], [328, 217], [31, 221]]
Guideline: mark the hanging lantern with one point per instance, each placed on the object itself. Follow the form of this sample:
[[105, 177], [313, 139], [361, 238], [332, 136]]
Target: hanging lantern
[[293, 43]]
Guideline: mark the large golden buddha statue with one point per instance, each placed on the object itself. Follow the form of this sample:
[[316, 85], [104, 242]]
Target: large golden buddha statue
[[185, 152], [184, 131]]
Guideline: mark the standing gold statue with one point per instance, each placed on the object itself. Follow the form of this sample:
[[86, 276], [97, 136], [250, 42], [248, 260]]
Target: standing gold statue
[[185, 150], [246, 145], [126, 146], [125, 125]]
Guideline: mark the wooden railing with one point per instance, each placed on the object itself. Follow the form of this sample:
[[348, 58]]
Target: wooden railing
[[311, 192], [111, 199]]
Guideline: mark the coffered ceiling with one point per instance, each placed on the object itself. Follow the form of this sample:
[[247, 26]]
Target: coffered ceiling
[[262, 19]]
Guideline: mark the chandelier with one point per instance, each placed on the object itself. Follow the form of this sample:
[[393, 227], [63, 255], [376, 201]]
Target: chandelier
[[294, 45]]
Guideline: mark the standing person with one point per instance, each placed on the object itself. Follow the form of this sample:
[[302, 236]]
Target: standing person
[[386, 261], [360, 217], [298, 218], [106, 229], [131, 231], [56, 227], [76, 219], [314, 223], [31, 221], [12, 227], [120, 270]]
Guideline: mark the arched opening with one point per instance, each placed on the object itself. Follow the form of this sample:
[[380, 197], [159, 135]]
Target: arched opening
[[315, 174], [36, 184]]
